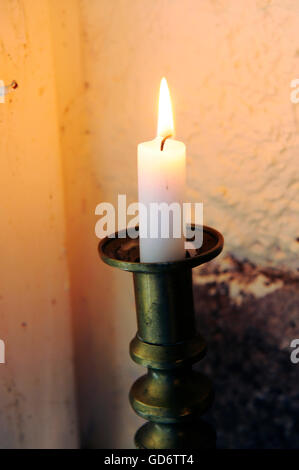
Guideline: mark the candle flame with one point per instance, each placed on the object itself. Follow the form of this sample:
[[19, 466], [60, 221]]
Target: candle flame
[[165, 117]]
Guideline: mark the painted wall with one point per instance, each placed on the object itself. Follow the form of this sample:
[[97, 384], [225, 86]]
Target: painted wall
[[36, 383]]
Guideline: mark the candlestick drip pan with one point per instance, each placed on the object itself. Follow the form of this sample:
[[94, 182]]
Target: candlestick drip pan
[[122, 251]]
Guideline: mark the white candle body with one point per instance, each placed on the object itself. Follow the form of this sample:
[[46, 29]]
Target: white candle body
[[161, 179]]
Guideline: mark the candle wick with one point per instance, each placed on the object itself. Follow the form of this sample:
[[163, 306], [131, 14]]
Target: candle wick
[[163, 141]]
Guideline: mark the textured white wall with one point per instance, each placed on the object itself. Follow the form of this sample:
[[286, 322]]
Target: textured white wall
[[229, 65]]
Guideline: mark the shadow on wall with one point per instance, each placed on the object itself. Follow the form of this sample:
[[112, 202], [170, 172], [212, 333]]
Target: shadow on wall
[[248, 318]]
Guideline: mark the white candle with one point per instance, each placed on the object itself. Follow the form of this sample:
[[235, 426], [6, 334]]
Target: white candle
[[161, 179]]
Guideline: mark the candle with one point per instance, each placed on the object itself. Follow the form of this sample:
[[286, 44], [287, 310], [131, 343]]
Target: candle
[[161, 180]]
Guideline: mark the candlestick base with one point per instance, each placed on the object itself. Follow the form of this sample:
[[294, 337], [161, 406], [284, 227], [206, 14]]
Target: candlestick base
[[172, 396]]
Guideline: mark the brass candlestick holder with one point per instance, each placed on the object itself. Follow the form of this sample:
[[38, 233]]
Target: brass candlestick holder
[[171, 396]]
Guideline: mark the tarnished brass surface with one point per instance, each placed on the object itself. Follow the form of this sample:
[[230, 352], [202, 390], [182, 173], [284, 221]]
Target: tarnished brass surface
[[171, 356], [164, 305], [171, 395], [198, 435]]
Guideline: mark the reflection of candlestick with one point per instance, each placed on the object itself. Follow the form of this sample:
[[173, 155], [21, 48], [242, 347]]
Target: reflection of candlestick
[[161, 179]]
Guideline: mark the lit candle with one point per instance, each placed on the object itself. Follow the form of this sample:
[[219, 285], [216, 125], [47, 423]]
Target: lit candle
[[161, 179]]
